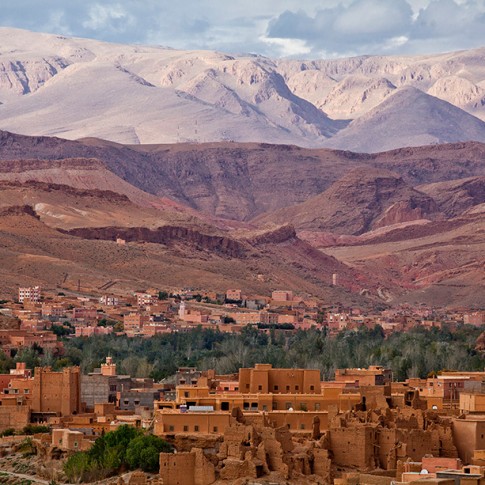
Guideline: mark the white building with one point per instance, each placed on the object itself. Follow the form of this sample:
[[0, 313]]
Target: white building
[[31, 293]]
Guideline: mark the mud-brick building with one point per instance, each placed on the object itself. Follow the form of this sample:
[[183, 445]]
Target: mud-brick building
[[264, 379], [375, 375], [103, 385], [55, 393]]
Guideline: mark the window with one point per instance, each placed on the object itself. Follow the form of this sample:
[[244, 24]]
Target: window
[[265, 408], [224, 406], [26, 391], [288, 405], [302, 426], [215, 429], [137, 402], [171, 428], [275, 388], [226, 388], [287, 388], [186, 428], [196, 428], [260, 388], [186, 394], [312, 388], [297, 388], [317, 406]]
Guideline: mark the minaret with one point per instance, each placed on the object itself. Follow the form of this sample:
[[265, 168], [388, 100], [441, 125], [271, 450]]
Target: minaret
[[109, 368], [182, 310]]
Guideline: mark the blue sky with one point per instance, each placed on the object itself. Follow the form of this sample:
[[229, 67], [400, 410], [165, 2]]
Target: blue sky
[[277, 28]]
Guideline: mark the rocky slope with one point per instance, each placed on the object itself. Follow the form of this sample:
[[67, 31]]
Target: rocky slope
[[75, 88], [409, 117], [231, 180], [457, 196], [403, 225], [34, 253], [362, 200], [436, 263]]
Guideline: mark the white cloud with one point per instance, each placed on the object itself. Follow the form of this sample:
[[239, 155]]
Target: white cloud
[[107, 17], [373, 17], [288, 47], [306, 28], [385, 26]]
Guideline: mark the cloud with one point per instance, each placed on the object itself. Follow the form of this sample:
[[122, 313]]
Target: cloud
[[384, 26], [298, 28], [108, 17]]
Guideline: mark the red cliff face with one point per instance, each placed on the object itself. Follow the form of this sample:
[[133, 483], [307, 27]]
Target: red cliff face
[[167, 235], [279, 235], [362, 200], [406, 211]]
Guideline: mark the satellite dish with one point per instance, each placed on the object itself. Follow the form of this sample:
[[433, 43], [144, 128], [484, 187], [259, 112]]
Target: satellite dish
[[424, 472]]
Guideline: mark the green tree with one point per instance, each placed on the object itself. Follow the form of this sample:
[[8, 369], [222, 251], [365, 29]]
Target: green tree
[[144, 451], [77, 466]]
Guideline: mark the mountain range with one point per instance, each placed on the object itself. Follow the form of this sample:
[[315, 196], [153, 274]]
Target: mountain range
[[132, 94], [406, 225]]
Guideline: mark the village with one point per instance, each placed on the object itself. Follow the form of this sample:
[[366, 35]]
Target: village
[[153, 312], [285, 424]]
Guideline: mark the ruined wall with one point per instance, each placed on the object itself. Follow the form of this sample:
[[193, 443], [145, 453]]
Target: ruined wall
[[353, 446], [205, 473], [322, 464], [177, 468]]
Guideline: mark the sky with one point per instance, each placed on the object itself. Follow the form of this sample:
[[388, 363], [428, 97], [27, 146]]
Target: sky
[[305, 29]]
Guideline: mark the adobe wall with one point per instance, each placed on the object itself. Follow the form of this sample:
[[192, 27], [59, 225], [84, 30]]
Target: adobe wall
[[467, 435], [433, 464], [14, 417], [353, 446], [177, 468], [204, 470], [57, 392], [205, 423], [322, 464]]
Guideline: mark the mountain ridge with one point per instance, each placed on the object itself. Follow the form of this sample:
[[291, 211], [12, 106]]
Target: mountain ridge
[[78, 88]]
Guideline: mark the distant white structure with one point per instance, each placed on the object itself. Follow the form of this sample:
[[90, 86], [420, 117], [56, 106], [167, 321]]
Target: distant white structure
[[335, 279], [182, 310], [31, 293], [109, 300]]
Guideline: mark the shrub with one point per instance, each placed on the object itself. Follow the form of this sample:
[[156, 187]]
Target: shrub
[[8, 432], [31, 429], [144, 452]]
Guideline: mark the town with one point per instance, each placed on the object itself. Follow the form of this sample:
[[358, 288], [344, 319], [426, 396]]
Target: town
[[286, 424]]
